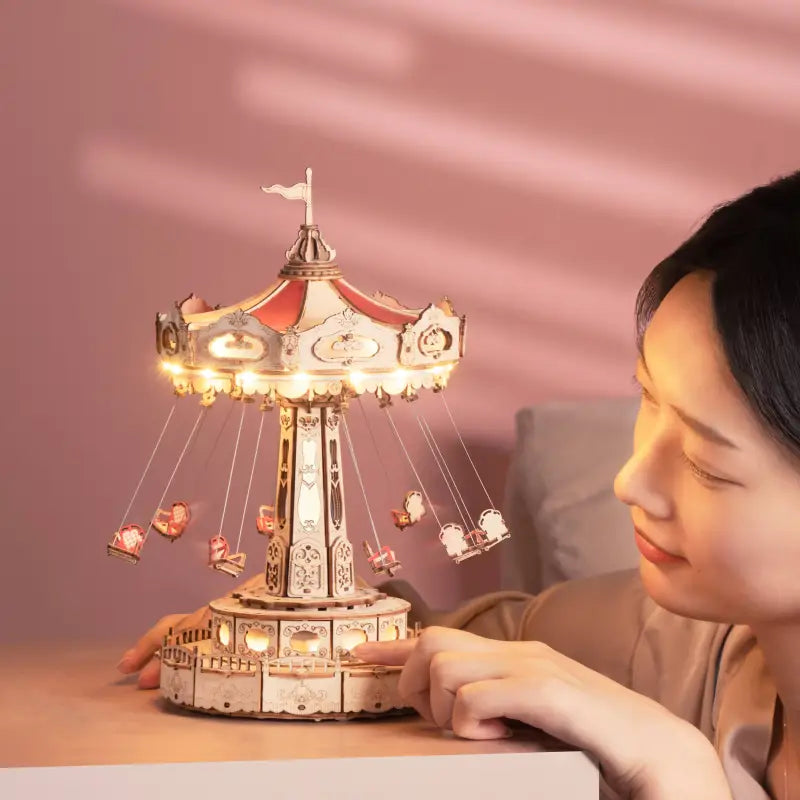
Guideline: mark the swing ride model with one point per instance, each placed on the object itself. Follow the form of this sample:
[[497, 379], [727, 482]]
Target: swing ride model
[[308, 346]]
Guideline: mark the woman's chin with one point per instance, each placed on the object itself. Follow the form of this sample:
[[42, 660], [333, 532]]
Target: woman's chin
[[675, 589]]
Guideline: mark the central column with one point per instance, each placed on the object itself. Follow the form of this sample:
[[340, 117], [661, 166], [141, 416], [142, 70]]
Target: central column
[[309, 554]]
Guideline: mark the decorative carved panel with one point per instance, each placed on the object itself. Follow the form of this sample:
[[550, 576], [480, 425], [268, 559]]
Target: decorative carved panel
[[335, 497], [307, 569], [342, 565], [309, 499], [276, 566]]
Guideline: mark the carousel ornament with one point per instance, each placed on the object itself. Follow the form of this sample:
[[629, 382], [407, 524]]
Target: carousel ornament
[[308, 344]]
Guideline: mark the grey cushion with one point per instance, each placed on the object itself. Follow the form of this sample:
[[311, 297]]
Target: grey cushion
[[559, 505]]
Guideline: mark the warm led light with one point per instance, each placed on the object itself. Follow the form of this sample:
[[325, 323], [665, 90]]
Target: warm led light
[[356, 377], [305, 643], [175, 369], [207, 373], [399, 375], [256, 640], [352, 638], [300, 376], [247, 377], [390, 633], [437, 370], [224, 634]]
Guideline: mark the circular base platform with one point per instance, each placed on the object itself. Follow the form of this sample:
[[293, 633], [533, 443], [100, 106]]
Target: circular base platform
[[344, 717], [279, 662]]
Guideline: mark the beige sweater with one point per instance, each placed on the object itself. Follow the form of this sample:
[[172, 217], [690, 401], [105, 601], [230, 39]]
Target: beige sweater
[[710, 674]]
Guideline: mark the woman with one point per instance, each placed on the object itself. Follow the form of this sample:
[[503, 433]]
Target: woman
[[682, 678]]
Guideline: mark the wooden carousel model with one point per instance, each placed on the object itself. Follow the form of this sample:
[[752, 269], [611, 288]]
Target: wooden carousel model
[[306, 346]]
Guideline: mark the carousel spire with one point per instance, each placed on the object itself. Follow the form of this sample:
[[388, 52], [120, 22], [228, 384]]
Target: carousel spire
[[310, 251]]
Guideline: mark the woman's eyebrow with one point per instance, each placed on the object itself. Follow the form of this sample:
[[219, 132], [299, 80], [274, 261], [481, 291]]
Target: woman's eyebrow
[[701, 428], [706, 431]]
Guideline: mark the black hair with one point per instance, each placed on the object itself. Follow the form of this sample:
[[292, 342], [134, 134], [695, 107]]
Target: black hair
[[751, 248]]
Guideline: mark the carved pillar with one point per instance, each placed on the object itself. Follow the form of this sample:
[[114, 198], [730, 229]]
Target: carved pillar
[[309, 555]]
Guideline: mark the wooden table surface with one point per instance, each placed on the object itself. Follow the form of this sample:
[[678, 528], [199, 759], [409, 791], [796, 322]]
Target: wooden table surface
[[66, 705]]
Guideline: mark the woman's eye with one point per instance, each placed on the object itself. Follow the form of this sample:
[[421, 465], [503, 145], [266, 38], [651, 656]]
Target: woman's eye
[[701, 473]]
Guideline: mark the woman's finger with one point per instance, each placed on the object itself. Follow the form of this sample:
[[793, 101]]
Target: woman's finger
[[389, 654], [450, 671], [415, 677], [479, 707], [135, 658], [141, 653], [150, 676]]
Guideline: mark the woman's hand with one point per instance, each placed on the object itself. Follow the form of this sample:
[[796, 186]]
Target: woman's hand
[[469, 684], [140, 658]]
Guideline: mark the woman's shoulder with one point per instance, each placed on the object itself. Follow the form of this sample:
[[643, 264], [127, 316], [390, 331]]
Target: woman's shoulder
[[611, 624]]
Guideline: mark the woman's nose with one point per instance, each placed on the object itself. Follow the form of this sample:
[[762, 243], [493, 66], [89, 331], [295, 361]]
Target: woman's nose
[[642, 482]]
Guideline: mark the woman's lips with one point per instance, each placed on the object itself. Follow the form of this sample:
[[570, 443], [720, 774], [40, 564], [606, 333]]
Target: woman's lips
[[652, 553]]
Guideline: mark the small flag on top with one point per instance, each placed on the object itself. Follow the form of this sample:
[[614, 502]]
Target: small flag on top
[[300, 191]]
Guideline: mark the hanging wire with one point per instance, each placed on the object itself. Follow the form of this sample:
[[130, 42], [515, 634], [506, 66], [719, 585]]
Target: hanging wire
[[250, 482], [413, 468], [439, 458], [455, 427], [149, 462], [233, 464], [216, 441], [197, 435], [177, 464], [194, 479], [375, 445], [360, 480]]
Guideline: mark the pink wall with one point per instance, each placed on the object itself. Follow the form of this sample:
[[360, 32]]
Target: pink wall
[[531, 160]]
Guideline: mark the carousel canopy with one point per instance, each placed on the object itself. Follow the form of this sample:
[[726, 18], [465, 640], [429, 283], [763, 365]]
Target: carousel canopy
[[309, 333]]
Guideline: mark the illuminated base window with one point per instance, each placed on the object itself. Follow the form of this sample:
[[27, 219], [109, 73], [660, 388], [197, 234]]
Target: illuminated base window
[[256, 640], [390, 633], [224, 634], [305, 643], [352, 638]]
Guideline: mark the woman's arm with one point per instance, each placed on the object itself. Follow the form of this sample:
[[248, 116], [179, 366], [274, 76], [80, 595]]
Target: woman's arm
[[472, 685]]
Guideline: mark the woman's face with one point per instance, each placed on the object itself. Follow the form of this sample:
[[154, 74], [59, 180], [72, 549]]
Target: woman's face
[[705, 483]]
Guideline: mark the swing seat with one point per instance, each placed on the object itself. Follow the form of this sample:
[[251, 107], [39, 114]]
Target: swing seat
[[218, 548], [469, 553], [124, 555], [127, 544], [231, 565], [171, 524], [477, 540], [382, 561], [492, 542], [401, 519], [265, 521]]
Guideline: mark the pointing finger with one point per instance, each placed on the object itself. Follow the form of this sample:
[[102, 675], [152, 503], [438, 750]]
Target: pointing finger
[[150, 676], [389, 654], [135, 658]]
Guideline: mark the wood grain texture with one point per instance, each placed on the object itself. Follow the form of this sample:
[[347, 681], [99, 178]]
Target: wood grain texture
[[66, 705]]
